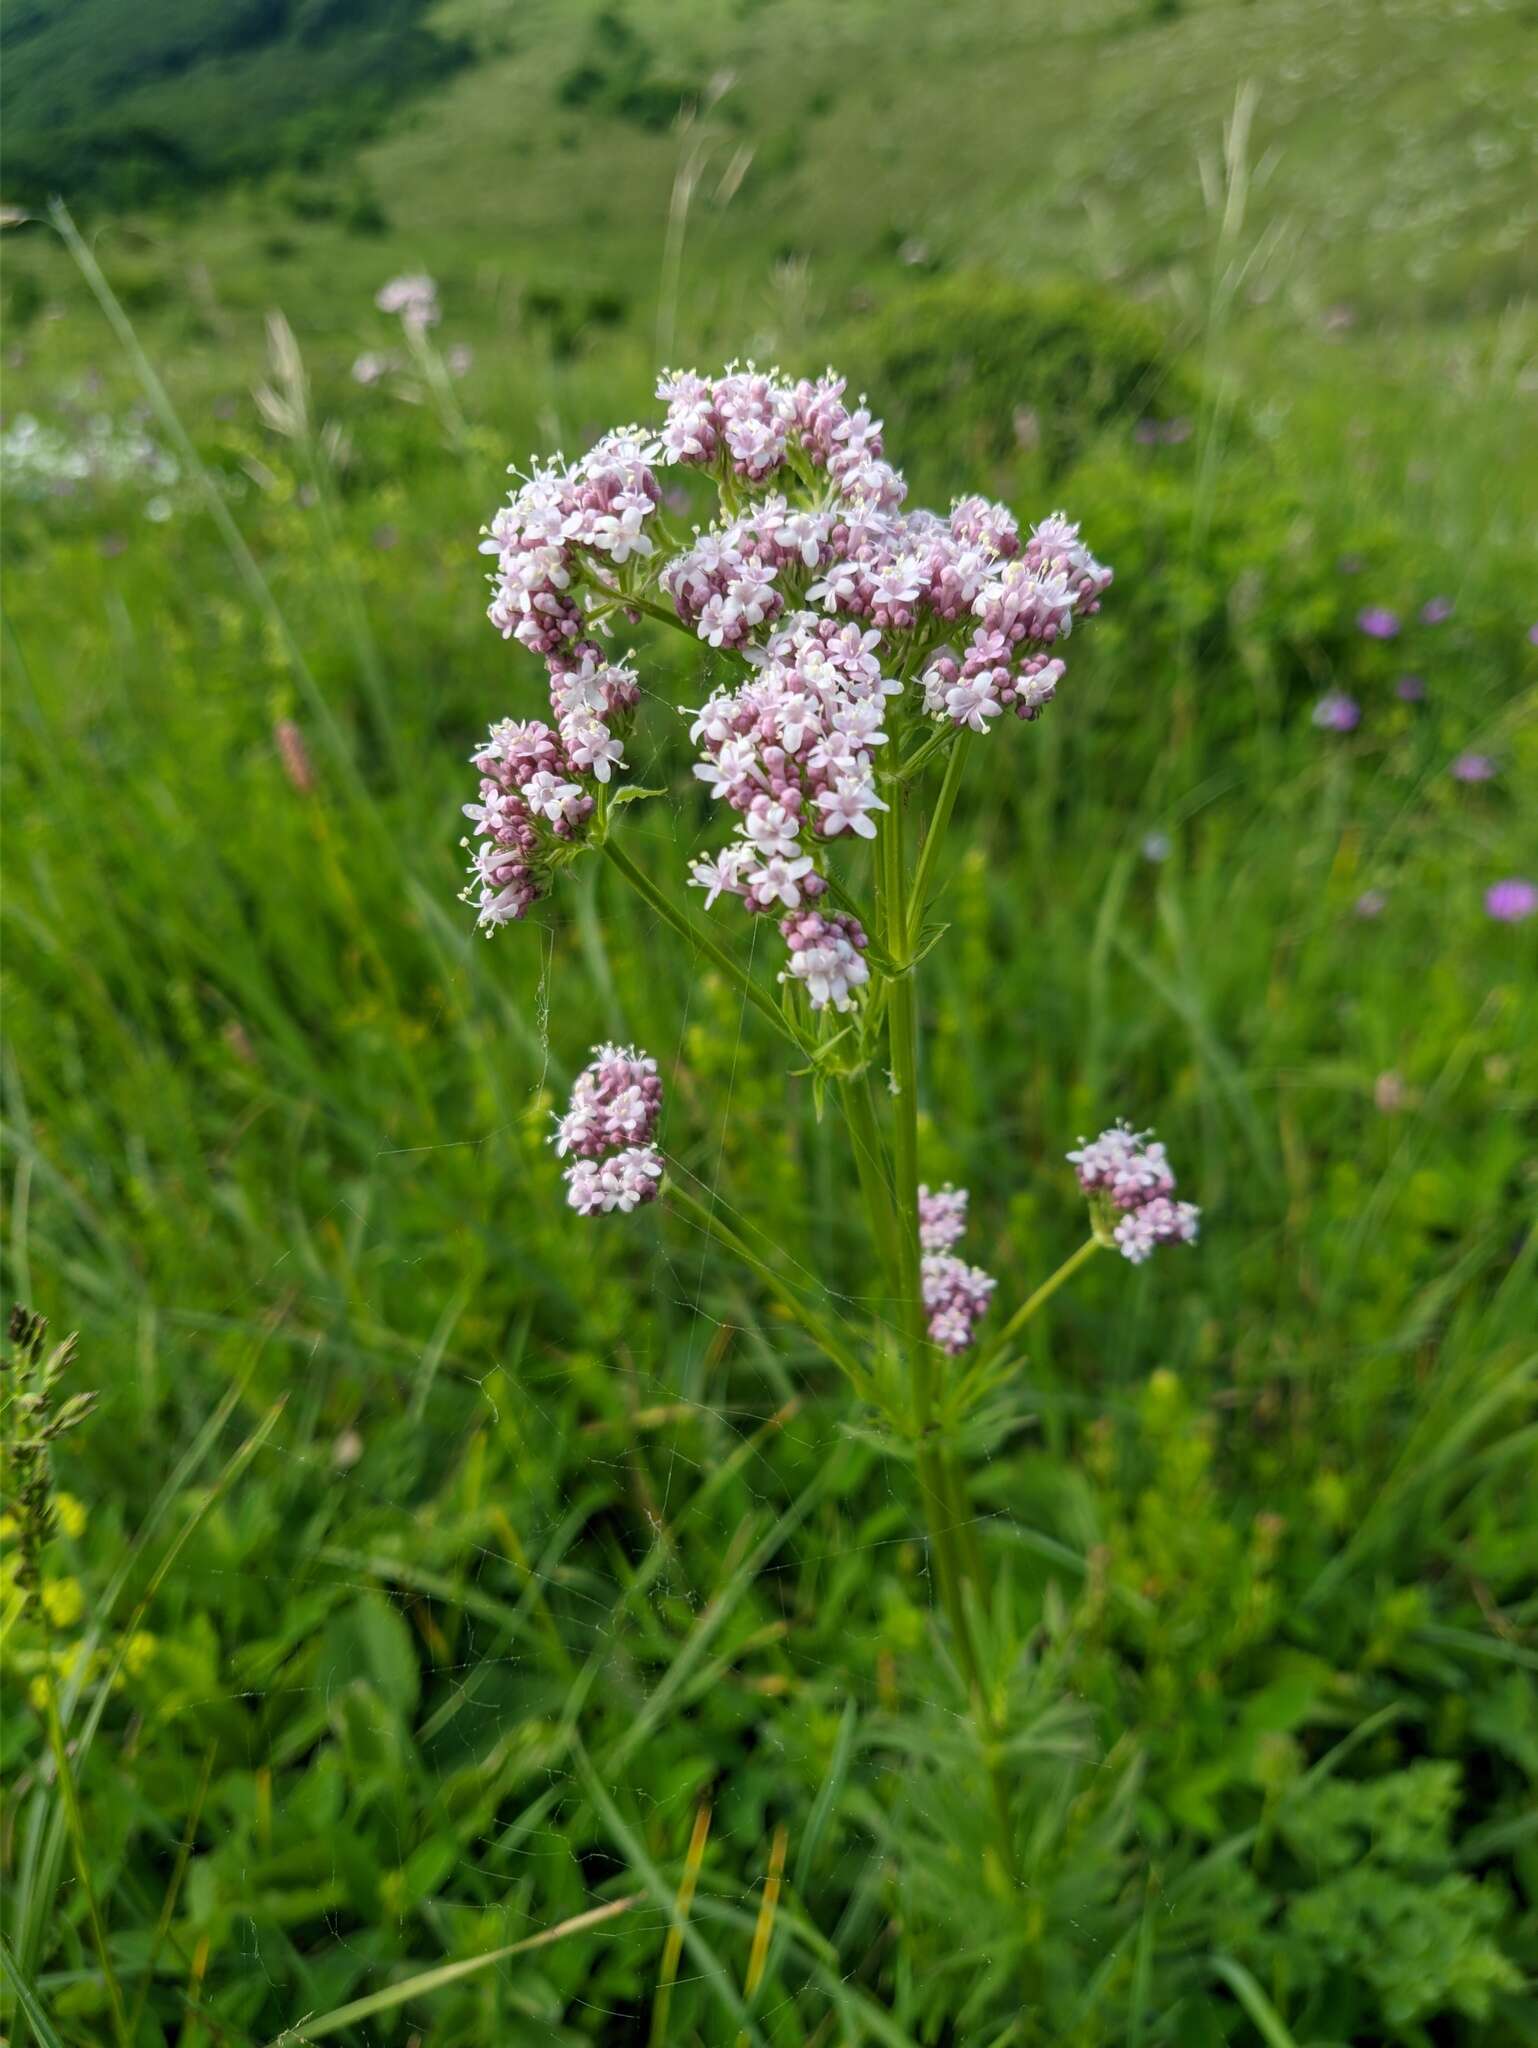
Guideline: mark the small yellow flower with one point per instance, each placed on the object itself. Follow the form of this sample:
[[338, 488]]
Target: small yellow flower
[[8, 1527], [137, 1651], [37, 1693], [64, 1601], [71, 1514]]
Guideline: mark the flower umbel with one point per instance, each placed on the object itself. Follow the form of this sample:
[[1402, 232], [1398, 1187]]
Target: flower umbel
[[1127, 1176], [858, 631]]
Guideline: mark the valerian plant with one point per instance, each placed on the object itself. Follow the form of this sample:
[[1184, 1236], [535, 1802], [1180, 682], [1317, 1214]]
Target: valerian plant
[[858, 651]]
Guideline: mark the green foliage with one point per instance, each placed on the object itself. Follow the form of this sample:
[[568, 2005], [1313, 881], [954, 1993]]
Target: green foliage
[[614, 76], [122, 106], [972, 369]]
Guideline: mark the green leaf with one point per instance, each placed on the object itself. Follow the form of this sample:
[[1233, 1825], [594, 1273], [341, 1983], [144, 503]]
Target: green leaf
[[428, 1981], [369, 1639], [1268, 2021], [27, 1999]]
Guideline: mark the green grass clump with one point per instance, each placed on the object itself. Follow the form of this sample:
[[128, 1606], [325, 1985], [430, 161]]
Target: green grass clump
[[433, 1561]]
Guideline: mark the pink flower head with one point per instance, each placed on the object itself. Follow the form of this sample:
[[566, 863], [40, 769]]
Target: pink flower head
[[942, 1217], [955, 1294], [1512, 901], [615, 1103], [624, 1182], [1336, 712], [1128, 1179], [1160, 1221], [1378, 622], [1435, 610], [1410, 689], [414, 298], [827, 957], [1473, 768]]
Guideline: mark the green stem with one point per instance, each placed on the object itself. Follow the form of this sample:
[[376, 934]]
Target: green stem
[[923, 754], [702, 941], [940, 817], [75, 1827], [632, 600], [941, 1490], [1043, 1295], [871, 1167], [815, 1327]]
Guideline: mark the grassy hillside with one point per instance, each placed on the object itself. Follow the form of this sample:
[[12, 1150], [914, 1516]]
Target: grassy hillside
[[162, 101], [433, 1558]]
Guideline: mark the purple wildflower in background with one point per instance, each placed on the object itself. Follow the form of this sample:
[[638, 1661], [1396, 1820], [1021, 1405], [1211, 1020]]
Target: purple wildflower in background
[[1156, 847], [1532, 633], [1473, 768], [1378, 623], [1411, 689], [1512, 901], [1435, 610], [1371, 903], [1336, 712]]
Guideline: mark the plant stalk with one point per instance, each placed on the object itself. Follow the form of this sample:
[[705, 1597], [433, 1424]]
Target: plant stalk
[[703, 942], [1043, 1295], [814, 1325], [941, 1489], [75, 1826]]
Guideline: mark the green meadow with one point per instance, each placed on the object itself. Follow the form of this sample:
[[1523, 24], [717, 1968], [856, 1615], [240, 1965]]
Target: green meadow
[[468, 1624]]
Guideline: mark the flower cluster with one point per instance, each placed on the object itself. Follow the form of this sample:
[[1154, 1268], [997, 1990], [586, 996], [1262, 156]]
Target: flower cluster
[[1127, 1177], [414, 298], [751, 424], [564, 520], [827, 956], [608, 1130], [529, 805], [955, 1294], [1024, 606], [833, 601], [791, 751]]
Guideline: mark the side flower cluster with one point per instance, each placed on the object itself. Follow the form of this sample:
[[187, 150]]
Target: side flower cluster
[[1127, 1177], [530, 804], [607, 1132], [955, 1294]]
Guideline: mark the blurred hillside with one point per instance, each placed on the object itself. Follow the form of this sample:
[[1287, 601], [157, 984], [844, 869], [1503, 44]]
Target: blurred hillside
[[1384, 153]]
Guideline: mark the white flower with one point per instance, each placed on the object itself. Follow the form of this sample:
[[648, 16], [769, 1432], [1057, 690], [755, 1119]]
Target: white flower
[[846, 807], [723, 875], [778, 881], [972, 702]]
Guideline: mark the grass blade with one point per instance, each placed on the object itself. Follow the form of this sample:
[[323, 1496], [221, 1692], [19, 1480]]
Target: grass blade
[[27, 2000], [428, 1981], [1267, 2020], [673, 1947]]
